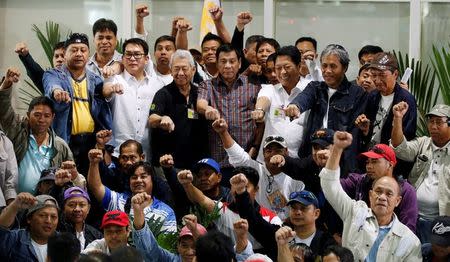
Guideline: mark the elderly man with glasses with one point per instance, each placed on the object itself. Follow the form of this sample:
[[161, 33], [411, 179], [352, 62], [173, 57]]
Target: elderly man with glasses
[[275, 186], [80, 108], [430, 173]]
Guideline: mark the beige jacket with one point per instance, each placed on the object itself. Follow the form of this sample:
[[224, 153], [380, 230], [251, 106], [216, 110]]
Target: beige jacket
[[361, 226], [422, 146], [9, 173]]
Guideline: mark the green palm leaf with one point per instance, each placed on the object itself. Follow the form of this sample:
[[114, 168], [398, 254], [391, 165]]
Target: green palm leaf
[[441, 64]]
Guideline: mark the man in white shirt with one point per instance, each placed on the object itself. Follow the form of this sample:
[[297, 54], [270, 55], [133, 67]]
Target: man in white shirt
[[273, 99], [131, 94], [274, 186]]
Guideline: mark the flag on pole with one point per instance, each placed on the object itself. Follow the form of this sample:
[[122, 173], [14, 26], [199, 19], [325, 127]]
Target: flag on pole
[[207, 24]]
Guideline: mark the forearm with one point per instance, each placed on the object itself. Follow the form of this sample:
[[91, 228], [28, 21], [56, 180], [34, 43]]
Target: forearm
[[397, 131], [154, 120], [34, 71], [196, 196], [202, 106], [94, 181], [241, 244], [181, 40], [8, 215], [227, 140], [223, 32], [140, 28], [334, 159], [262, 103], [237, 40], [284, 254], [139, 219]]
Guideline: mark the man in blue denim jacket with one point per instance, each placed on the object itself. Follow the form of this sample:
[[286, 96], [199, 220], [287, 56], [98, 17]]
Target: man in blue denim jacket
[[79, 104], [334, 103]]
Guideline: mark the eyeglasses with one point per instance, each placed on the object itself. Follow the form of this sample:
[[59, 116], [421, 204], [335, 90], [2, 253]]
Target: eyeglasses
[[137, 56], [436, 121], [274, 138], [303, 194]]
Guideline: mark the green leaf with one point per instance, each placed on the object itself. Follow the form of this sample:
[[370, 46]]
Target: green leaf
[[441, 64], [49, 38]]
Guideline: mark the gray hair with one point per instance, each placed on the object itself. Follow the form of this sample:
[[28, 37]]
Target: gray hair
[[339, 51], [180, 53]]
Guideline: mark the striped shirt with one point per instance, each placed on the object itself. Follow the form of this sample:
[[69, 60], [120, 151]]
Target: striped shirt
[[235, 105], [157, 210]]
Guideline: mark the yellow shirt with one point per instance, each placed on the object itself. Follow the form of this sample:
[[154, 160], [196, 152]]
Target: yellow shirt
[[82, 121]]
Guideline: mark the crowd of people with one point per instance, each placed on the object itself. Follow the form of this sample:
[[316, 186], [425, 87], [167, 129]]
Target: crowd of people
[[240, 151]]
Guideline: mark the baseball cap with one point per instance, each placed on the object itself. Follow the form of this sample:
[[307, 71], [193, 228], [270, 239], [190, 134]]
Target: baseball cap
[[274, 139], [384, 61], [440, 231], [42, 202], [76, 192], [115, 217], [76, 38], [323, 137], [209, 162], [303, 197], [186, 232], [47, 174], [439, 110], [381, 151]]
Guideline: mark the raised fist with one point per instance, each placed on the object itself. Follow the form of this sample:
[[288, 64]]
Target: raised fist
[[141, 201], [108, 71], [71, 167], [243, 18], [241, 228], [175, 21], [61, 96], [342, 139], [399, 110], [238, 183], [167, 124], [284, 235], [190, 220], [220, 125], [24, 200], [62, 176], [11, 77], [166, 161], [321, 157], [142, 10], [184, 25], [278, 160], [211, 113], [185, 177], [254, 69], [292, 111], [95, 156], [216, 13], [21, 49], [258, 115], [102, 137], [363, 123]]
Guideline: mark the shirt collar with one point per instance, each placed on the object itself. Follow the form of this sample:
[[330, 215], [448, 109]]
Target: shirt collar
[[444, 148], [128, 77], [239, 81], [116, 57]]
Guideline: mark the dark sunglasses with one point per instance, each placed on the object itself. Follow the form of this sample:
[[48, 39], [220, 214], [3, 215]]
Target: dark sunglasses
[[274, 138]]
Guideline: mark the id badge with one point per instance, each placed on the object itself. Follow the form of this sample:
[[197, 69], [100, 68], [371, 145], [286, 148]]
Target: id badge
[[191, 114], [279, 113]]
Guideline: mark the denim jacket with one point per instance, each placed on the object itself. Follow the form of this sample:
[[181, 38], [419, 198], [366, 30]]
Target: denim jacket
[[16, 246], [346, 105], [100, 110]]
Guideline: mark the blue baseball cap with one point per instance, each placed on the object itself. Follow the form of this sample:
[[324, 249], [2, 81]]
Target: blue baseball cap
[[303, 197], [209, 162]]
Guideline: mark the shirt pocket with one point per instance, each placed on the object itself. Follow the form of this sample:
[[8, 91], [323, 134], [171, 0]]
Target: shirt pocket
[[343, 115]]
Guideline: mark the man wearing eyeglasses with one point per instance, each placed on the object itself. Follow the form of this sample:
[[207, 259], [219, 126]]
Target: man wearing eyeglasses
[[275, 186], [372, 233], [130, 95], [80, 108], [430, 173]]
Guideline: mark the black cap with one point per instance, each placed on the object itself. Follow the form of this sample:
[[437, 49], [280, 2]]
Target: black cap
[[323, 137], [77, 38], [440, 231]]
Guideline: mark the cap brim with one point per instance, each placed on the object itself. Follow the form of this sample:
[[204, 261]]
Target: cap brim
[[320, 142], [114, 223], [197, 167], [436, 113], [301, 201], [275, 142], [371, 154]]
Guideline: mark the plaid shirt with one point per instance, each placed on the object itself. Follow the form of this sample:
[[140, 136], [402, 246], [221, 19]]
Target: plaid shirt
[[235, 105]]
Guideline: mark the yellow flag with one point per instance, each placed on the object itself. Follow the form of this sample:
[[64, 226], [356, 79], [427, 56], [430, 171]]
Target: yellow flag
[[207, 24]]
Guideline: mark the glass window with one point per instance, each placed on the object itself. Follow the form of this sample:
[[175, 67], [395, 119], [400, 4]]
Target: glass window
[[435, 27], [352, 24]]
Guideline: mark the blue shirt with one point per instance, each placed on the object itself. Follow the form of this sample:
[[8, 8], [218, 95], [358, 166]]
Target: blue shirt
[[157, 210], [36, 159], [372, 257]]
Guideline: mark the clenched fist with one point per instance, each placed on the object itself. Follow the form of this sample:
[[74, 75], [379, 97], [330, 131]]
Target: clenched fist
[[185, 177], [238, 183]]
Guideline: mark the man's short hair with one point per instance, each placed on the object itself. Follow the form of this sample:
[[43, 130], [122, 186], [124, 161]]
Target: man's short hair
[[63, 247], [210, 36], [339, 51], [271, 58], [308, 254], [180, 53], [290, 51], [226, 48], [126, 253], [396, 178], [147, 167], [369, 49], [274, 43], [94, 256], [307, 39], [249, 172], [252, 39], [344, 254], [59, 45], [136, 41], [103, 24], [130, 142], [41, 100], [214, 244], [162, 39]]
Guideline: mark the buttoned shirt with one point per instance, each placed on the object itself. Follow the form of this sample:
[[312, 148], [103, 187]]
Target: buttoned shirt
[[420, 151], [93, 66], [361, 226], [277, 123], [235, 105], [131, 109]]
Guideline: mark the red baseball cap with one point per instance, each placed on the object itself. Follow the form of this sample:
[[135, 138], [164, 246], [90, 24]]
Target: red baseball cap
[[186, 232], [381, 151], [115, 217]]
